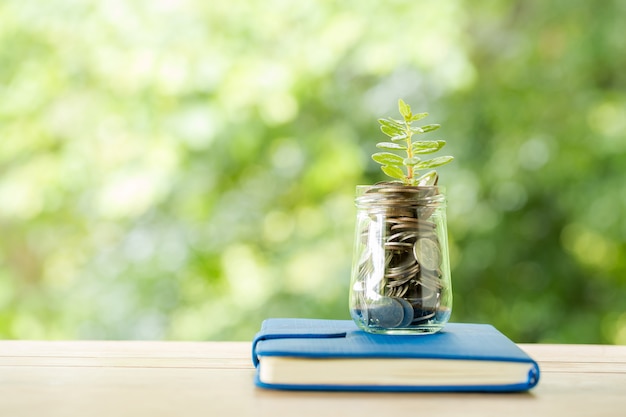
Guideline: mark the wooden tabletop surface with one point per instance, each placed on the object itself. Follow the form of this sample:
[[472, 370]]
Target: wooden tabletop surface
[[117, 378]]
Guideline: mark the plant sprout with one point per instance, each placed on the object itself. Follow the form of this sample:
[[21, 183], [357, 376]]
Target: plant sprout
[[401, 132]]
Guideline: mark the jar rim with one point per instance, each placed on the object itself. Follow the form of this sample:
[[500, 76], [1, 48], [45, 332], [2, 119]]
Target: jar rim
[[395, 194], [398, 185]]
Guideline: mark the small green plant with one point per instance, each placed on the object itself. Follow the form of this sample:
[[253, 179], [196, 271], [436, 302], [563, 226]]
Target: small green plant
[[401, 132]]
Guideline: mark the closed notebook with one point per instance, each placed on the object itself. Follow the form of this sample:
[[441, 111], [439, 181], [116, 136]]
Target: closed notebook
[[316, 354]]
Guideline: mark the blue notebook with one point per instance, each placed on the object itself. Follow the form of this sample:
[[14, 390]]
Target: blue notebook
[[316, 354]]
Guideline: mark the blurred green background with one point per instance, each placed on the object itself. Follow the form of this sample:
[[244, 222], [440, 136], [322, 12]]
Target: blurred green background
[[183, 169]]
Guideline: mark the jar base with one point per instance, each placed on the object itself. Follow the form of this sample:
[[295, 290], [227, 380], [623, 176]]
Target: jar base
[[372, 323], [421, 331]]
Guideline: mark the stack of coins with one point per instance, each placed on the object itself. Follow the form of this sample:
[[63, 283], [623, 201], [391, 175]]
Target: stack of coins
[[410, 285]]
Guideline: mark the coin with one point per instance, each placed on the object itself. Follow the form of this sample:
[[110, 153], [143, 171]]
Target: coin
[[400, 280], [397, 237], [427, 253], [408, 312], [401, 290], [430, 279], [386, 312], [422, 316], [398, 272], [398, 246]]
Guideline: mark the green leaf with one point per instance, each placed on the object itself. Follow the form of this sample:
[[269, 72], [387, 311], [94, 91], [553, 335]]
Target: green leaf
[[393, 172], [427, 146], [398, 138], [429, 178], [435, 162], [405, 109], [429, 128], [418, 116], [387, 158], [391, 123], [392, 131], [411, 161], [391, 146]]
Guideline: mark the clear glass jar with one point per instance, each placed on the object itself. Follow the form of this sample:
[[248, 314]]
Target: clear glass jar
[[400, 281]]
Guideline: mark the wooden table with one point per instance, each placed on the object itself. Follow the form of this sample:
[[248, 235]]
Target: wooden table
[[93, 379]]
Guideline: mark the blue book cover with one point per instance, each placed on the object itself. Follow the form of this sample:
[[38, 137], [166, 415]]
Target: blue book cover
[[317, 354]]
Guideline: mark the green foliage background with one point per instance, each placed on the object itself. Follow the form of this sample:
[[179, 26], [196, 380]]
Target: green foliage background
[[183, 169]]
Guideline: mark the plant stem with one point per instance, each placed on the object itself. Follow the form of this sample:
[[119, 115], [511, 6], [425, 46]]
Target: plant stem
[[409, 152]]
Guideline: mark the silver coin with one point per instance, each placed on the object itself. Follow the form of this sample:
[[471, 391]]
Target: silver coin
[[402, 290], [386, 312], [407, 268], [408, 312], [398, 246], [430, 280], [427, 253], [397, 237], [402, 277]]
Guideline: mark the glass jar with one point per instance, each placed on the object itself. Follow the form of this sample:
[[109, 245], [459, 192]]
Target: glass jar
[[400, 281]]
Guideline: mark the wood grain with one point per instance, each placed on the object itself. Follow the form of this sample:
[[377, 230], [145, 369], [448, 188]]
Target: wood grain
[[216, 378]]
